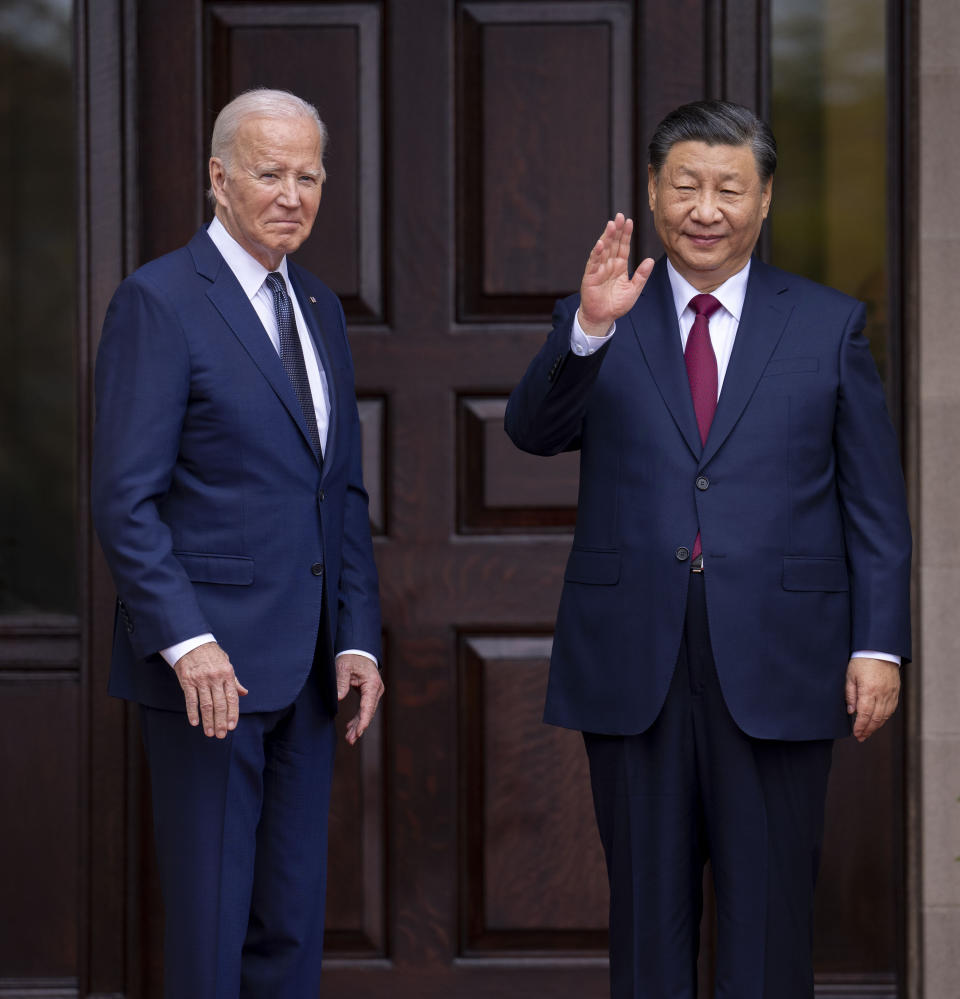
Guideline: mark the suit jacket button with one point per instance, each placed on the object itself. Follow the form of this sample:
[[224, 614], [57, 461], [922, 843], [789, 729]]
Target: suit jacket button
[[320, 496], [682, 554], [703, 483], [317, 568]]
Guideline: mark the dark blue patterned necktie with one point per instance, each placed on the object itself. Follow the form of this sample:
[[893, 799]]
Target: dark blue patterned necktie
[[291, 357]]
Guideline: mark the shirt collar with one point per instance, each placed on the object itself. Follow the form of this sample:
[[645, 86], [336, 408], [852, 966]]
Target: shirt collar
[[730, 294], [248, 270]]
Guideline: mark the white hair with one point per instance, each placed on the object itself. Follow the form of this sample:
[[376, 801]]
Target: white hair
[[260, 103]]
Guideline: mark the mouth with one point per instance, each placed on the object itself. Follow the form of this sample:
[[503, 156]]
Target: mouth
[[703, 240]]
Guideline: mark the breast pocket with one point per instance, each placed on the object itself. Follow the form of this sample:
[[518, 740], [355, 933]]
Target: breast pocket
[[791, 365]]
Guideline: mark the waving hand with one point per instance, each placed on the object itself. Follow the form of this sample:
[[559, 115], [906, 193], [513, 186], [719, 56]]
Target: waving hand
[[606, 292]]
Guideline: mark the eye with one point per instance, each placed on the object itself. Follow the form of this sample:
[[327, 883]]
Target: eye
[[307, 179], [267, 175]]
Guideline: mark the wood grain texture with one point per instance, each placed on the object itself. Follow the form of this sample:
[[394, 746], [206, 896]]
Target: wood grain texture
[[373, 431], [39, 734], [501, 489], [534, 874], [544, 156]]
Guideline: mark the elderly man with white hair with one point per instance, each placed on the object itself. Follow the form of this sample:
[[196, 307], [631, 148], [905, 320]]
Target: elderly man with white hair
[[228, 498]]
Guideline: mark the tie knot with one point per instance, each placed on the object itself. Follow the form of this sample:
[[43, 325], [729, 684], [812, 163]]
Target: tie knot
[[277, 284], [704, 305]]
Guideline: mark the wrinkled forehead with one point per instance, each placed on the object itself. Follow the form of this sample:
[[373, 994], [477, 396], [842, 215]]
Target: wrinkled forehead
[[273, 139], [717, 159]]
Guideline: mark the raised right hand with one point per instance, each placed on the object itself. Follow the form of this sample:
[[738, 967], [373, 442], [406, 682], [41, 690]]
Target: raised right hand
[[210, 688], [606, 293]]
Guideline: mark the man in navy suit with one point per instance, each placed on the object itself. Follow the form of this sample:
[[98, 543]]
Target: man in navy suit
[[738, 588], [228, 498]]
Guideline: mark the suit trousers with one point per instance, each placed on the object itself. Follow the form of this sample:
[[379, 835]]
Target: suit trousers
[[695, 787], [241, 833]]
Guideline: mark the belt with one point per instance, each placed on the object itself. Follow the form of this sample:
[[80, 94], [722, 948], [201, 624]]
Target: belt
[[696, 565]]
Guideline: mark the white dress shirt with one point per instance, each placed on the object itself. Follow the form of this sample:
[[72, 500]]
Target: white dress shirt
[[723, 325], [252, 276]]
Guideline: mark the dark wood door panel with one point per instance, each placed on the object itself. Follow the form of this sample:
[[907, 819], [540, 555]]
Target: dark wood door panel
[[476, 148], [40, 829], [544, 111]]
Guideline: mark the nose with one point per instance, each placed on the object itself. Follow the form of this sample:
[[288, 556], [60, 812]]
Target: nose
[[289, 192], [707, 207]]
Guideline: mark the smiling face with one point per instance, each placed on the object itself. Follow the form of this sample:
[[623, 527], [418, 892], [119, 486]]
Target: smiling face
[[708, 205], [268, 198]]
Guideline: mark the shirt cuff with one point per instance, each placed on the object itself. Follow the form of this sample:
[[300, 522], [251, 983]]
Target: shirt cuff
[[358, 652], [582, 343], [176, 652], [885, 656]]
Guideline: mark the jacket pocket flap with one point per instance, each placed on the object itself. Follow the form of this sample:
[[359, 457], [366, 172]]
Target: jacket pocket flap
[[589, 566], [788, 365], [815, 573], [236, 570]]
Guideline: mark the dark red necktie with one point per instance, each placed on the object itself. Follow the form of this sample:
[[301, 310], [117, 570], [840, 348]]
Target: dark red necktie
[[702, 370]]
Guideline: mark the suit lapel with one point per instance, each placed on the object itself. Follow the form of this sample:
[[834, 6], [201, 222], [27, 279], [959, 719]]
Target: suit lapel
[[762, 322], [233, 305], [310, 309], [654, 320]]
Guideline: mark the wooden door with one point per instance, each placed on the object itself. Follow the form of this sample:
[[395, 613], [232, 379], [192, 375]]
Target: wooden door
[[476, 148]]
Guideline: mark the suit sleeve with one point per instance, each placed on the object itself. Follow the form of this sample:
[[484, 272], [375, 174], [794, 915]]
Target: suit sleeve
[[546, 410], [873, 501], [142, 386], [358, 617]]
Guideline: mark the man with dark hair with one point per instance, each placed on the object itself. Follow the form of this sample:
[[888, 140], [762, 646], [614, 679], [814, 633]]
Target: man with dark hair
[[738, 588], [228, 498]]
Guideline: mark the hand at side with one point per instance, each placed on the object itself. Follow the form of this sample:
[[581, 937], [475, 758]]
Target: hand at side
[[211, 689], [362, 673], [873, 689]]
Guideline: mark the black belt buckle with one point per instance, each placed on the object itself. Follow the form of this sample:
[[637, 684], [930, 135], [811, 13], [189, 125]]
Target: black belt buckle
[[696, 565]]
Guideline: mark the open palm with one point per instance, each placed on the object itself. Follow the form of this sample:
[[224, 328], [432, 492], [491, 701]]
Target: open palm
[[606, 291]]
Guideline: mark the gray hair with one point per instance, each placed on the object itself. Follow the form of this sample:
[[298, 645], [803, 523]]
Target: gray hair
[[717, 123], [260, 103]]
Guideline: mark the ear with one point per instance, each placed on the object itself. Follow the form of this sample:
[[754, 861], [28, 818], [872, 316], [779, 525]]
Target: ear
[[218, 177], [766, 197], [651, 187]]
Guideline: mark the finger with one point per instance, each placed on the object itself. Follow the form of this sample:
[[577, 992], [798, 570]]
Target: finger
[[344, 678], [370, 694], [206, 710], [352, 733], [623, 248], [241, 690], [642, 274], [190, 698], [851, 693], [598, 254], [874, 723], [221, 712], [233, 705], [865, 711]]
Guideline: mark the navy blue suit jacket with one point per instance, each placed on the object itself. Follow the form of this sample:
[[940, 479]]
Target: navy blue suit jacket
[[798, 494], [212, 510]]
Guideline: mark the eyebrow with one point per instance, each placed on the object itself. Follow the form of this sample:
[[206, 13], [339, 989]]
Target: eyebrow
[[274, 167]]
